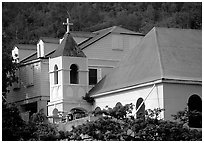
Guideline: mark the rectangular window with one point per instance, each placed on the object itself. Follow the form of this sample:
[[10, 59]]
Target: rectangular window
[[92, 76]]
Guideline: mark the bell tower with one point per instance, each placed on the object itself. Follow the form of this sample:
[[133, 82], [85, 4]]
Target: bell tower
[[68, 72]]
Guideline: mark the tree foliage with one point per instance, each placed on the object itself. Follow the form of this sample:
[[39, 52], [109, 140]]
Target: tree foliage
[[12, 124], [117, 125], [37, 129]]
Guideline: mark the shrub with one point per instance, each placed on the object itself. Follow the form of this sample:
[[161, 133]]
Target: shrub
[[115, 124]]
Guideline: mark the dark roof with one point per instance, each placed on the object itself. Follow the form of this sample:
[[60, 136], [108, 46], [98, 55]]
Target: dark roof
[[104, 32], [26, 46], [68, 47], [29, 58], [50, 40], [164, 53], [82, 34]]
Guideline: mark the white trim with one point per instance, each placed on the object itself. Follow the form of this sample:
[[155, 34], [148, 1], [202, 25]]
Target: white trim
[[61, 101], [68, 84], [113, 60], [59, 70], [67, 70], [104, 66], [30, 62], [149, 83], [127, 88]]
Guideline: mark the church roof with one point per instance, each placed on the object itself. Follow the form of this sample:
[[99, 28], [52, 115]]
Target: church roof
[[68, 47], [30, 58], [164, 53], [82, 34], [50, 40], [104, 32], [26, 46]]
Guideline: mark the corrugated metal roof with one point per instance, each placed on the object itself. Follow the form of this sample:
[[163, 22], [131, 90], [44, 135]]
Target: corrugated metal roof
[[164, 53], [26, 46], [82, 34], [30, 58], [104, 32], [50, 40], [68, 47]]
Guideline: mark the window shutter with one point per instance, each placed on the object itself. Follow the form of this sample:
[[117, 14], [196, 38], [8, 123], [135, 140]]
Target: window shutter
[[17, 83], [30, 75], [99, 76]]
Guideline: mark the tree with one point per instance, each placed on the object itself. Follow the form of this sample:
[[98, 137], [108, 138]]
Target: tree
[[115, 124], [38, 128], [12, 124]]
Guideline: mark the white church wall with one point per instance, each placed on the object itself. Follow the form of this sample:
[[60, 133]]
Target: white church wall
[[52, 62], [40, 49], [176, 97], [154, 100]]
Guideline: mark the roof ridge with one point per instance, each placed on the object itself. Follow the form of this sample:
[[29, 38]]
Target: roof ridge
[[158, 51], [114, 27], [184, 29], [103, 29]]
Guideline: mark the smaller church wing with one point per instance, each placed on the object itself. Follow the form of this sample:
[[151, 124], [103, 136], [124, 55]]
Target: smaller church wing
[[68, 47], [104, 32]]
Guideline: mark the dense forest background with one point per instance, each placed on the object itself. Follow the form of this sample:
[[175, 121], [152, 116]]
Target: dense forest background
[[25, 22]]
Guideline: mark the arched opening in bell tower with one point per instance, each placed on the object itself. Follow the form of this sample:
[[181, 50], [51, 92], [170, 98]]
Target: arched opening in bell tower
[[55, 74], [74, 79]]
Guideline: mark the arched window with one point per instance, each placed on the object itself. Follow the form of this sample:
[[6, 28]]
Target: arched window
[[74, 74], [194, 108], [97, 111], [55, 74], [141, 111], [118, 105], [78, 112]]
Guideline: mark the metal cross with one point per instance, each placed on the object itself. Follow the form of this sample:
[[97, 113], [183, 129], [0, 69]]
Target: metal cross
[[67, 25]]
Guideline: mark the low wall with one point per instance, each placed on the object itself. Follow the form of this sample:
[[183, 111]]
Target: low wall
[[68, 125]]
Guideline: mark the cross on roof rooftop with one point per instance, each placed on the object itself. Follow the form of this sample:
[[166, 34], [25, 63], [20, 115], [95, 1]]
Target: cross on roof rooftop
[[67, 25]]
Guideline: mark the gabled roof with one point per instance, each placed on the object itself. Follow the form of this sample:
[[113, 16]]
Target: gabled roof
[[82, 34], [29, 58], [26, 46], [50, 40], [68, 47], [104, 32], [164, 53]]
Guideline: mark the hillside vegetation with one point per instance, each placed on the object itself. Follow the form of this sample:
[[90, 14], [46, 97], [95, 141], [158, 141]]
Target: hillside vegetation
[[26, 22]]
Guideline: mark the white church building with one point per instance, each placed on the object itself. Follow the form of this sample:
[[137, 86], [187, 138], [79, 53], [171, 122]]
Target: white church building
[[162, 69]]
